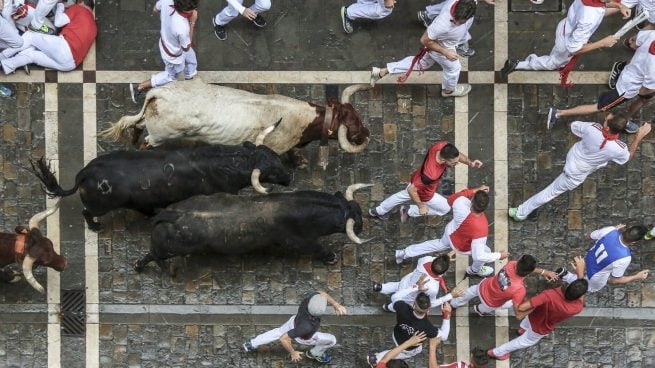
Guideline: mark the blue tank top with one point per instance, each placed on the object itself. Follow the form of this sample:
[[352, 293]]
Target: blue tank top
[[606, 250]]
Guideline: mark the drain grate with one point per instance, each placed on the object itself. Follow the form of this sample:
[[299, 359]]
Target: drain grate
[[73, 314]]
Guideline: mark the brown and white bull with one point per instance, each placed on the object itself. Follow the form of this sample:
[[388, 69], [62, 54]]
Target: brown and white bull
[[28, 247], [197, 111]]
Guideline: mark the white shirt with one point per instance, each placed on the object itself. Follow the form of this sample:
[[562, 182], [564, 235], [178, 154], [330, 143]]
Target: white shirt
[[648, 5], [640, 72], [616, 268], [175, 31], [408, 286], [443, 30], [586, 156], [581, 22]]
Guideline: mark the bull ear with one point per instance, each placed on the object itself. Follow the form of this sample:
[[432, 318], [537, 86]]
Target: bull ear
[[249, 144], [21, 229]]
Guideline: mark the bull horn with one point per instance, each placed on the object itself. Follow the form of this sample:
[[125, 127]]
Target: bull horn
[[348, 91], [352, 188], [261, 136], [28, 262], [254, 180], [346, 145], [36, 219], [350, 224]]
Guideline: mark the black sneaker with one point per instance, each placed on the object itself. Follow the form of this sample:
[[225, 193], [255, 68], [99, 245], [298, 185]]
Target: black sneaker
[[377, 287], [346, 22], [464, 50], [510, 66], [552, 118], [561, 272], [372, 360], [373, 213], [424, 18], [617, 68], [259, 21], [219, 31], [385, 308], [247, 347]]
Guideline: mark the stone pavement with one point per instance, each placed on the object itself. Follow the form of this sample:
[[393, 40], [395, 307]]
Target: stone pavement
[[153, 320]]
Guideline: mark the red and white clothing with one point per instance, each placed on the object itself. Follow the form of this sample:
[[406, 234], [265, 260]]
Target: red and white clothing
[[573, 32], [648, 5], [405, 288], [550, 309], [585, 157], [433, 10], [235, 7], [426, 180], [640, 72], [503, 290], [175, 38], [21, 15], [320, 341], [368, 9], [43, 7], [449, 35], [63, 52], [466, 233]]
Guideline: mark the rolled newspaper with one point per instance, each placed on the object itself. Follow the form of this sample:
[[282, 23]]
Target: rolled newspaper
[[632, 23]]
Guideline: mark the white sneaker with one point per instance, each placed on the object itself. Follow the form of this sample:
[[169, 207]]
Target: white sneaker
[[375, 75], [537, 2], [460, 90], [484, 271], [400, 256]]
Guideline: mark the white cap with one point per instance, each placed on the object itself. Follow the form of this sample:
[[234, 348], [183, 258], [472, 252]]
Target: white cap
[[317, 305]]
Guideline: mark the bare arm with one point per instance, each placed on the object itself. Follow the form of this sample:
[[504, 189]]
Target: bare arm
[[641, 275], [433, 45], [413, 194], [432, 352], [285, 340], [523, 309], [339, 309], [608, 41], [416, 339], [641, 133], [464, 159]]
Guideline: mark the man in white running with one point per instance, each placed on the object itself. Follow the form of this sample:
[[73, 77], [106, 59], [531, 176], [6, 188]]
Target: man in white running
[[599, 145], [439, 41], [609, 258], [233, 9], [365, 9], [466, 233]]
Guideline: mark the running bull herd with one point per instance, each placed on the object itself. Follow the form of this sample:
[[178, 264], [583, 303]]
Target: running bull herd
[[190, 193]]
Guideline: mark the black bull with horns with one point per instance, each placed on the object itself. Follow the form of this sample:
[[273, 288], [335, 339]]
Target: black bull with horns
[[229, 224], [149, 180]]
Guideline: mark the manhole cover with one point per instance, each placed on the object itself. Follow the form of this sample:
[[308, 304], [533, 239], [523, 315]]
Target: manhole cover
[[73, 315]]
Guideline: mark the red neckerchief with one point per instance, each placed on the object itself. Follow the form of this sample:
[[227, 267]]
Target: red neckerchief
[[452, 11], [651, 49], [594, 3], [608, 137], [185, 14], [428, 269], [417, 57]]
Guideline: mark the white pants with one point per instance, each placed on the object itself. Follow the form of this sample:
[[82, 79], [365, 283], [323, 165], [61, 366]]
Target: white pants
[[43, 7], [435, 9], [451, 69], [405, 354], [9, 37], [558, 57], [321, 341], [561, 184], [45, 50], [597, 281], [228, 13], [172, 71], [471, 293], [529, 338], [437, 206], [368, 9], [392, 287], [439, 245]]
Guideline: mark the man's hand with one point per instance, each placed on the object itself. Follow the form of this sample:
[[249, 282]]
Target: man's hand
[[617, 227], [450, 54], [389, 4], [422, 209], [296, 356], [420, 283], [417, 338], [458, 291], [641, 275], [579, 264], [609, 41], [504, 254], [625, 11], [550, 276], [249, 14], [490, 2], [340, 310], [452, 255], [475, 163], [484, 188], [445, 307], [155, 10], [643, 130]]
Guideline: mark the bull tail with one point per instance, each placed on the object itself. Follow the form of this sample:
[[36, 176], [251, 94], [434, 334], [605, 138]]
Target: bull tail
[[43, 171], [118, 131]]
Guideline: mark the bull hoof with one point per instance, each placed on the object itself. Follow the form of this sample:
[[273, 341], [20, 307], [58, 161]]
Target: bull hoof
[[138, 266], [331, 259], [96, 227]]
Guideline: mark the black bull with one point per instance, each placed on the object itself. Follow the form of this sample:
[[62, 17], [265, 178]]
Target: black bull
[[149, 180], [229, 224]]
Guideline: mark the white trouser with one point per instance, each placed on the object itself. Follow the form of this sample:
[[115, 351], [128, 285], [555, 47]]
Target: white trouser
[[43, 7], [529, 338], [451, 69], [320, 340], [9, 37], [368, 9], [45, 50], [437, 206], [392, 287], [228, 13], [561, 184], [405, 354], [596, 282], [172, 71], [471, 293], [440, 245], [558, 57]]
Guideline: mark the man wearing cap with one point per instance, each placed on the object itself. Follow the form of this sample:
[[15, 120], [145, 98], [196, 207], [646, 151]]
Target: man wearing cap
[[303, 328], [413, 319], [422, 189]]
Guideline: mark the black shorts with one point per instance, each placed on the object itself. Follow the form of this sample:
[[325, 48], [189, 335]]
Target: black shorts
[[610, 99], [647, 96]]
